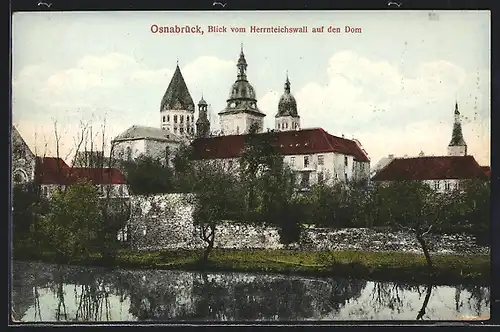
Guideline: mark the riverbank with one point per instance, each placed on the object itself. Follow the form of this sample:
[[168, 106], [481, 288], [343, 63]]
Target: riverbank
[[381, 266]]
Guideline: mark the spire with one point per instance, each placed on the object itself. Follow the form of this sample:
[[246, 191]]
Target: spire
[[287, 83], [457, 138], [177, 96], [242, 66]]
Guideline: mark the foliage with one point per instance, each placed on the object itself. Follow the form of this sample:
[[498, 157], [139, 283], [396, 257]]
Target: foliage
[[73, 226], [184, 170], [149, 176], [217, 193], [27, 206]]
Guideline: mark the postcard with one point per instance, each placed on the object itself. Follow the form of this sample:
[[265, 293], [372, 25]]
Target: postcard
[[265, 166]]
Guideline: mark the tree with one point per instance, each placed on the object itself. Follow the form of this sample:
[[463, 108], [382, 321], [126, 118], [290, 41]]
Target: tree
[[183, 168], [72, 226], [217, 193], [415, 207], [27, 205], [148, 176]]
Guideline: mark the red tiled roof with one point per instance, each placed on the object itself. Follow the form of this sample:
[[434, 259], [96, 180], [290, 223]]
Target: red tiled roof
[[51, 170], [430, 168], [297, 142]]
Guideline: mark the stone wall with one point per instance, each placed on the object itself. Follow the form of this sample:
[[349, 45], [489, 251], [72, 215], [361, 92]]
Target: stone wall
[[165, 221]]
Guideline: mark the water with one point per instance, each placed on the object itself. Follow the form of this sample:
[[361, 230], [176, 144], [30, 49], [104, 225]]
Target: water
[[44, 292]]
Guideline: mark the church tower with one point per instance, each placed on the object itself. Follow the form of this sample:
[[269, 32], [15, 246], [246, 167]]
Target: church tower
[[241, 111], [457, 146], [177, 107], [287, 117], [202, 124]]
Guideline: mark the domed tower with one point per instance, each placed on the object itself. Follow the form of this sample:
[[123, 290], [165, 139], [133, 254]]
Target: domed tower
[[202, 124], [457, 146], [241, 111], [177, 107], [287, 117]]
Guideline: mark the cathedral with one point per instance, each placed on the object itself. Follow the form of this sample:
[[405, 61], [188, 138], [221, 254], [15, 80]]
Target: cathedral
[[313, 153]]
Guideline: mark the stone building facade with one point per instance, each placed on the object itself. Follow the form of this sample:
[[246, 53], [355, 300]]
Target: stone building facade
[[23, 159]]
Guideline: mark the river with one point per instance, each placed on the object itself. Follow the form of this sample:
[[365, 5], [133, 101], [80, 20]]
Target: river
[[49, 293]]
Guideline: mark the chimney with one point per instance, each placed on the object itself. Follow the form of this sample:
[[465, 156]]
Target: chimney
[[391, 156], [342, 135], [421, 154], [405, 156]]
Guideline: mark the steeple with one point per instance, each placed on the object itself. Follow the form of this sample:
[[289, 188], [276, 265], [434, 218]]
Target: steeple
[[457, 146], [177, 96], [202, 124], [242, 66], [287, 83], [287, 117]]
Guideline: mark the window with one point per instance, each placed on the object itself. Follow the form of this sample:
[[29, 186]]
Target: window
[[182, 118], [45, 191], [306, 161], [175, 118], [237, 130], [286, 125], [187, 118], [120, 189], [436, 185], [447, 185], [305, 179], [345, 161], [292, 161], [230, 164], [163, 118], [181, 130], [192, 118], [321, 159], [168, 118]]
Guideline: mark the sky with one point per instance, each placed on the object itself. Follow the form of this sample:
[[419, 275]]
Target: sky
[[393, 86]]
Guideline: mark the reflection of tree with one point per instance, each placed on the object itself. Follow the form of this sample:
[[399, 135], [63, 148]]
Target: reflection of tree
[[61, 303], [479, 298], [387, 295], [428, 292]]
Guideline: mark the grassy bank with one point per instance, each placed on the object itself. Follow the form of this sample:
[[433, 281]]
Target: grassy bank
[[393, 266]]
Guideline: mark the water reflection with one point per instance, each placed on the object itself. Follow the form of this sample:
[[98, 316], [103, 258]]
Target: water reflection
[[43, 292]]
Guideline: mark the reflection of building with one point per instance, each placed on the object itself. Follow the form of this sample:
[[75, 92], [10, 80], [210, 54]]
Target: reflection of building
[[23, 159], [441, 172]]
